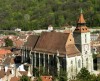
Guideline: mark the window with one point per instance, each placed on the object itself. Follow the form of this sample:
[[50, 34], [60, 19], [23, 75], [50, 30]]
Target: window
[[71, 66], [85, 39], [87, 63], [71, 62], [79, 63], [86, 52]]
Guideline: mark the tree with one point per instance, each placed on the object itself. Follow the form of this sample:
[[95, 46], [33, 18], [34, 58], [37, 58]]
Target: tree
[[83, 75], [37, 14], [8, 42], [62, 76], [24, 78]]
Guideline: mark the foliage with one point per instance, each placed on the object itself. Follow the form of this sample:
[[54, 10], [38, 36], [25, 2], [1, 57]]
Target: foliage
[[8, 42], [83, 75], [62, 76], [38, 14], [24, 78], [98, 78], [36, 72], [39, 79], [95, 32]]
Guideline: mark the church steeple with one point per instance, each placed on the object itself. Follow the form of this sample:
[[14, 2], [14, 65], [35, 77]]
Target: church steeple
[[81, 24], [81, 18]]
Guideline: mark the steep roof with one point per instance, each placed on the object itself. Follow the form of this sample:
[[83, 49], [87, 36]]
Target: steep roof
[[15, 78], [71, 50], [2, 73], [8, 72], [31, 41], [51, 42], [81, 25], [8, 61], [81, 19], [4, 51]]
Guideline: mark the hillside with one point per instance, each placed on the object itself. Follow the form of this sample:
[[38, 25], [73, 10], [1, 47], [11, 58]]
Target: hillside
[[38, 14]]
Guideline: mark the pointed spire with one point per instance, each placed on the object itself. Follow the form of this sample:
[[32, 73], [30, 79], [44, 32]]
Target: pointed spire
[[81, 18]]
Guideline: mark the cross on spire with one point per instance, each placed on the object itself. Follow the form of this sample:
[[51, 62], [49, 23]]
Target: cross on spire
[[81, 11]]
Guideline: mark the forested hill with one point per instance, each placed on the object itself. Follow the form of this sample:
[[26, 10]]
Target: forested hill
[[38, 14]]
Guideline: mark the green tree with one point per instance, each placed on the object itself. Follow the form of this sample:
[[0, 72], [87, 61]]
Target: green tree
[[24, 78], [83, 75], [62, 76], [8, 42]]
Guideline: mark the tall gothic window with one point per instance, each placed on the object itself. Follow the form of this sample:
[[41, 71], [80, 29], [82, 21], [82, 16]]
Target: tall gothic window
[[87, 63], [79, 63], [85, 39], [71, 66]]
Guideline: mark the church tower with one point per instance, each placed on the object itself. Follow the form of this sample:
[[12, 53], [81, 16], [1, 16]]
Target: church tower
[[82, 41]]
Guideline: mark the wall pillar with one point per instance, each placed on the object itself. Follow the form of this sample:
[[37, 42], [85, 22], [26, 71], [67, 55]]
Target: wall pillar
[[34, 59], [48, 63], [76, 69], [44, 62], [66, 63], [39, 61], [58, 65], [22, 55]]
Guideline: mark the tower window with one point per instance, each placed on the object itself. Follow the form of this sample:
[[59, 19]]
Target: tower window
[[72, 62], [86, 52], [70, 39]]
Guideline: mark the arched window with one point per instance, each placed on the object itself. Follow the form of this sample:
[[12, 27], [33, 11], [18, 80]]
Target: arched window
[[71, 66], [87, 63], [71, 62], [79, 63], [85, 39]]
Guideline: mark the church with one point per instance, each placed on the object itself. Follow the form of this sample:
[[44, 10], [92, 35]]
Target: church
[[56, 51]]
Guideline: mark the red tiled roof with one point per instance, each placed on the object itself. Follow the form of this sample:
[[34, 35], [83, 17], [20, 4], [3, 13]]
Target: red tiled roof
[[18, 43], [8, 72], [23, 72], [4, 51], [2, 73], [15, 78]]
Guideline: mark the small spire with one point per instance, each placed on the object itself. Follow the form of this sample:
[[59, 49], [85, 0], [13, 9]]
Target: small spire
[[81, 18]]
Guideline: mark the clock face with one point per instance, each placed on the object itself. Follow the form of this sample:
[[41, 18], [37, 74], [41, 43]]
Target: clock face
[[86, 47]]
